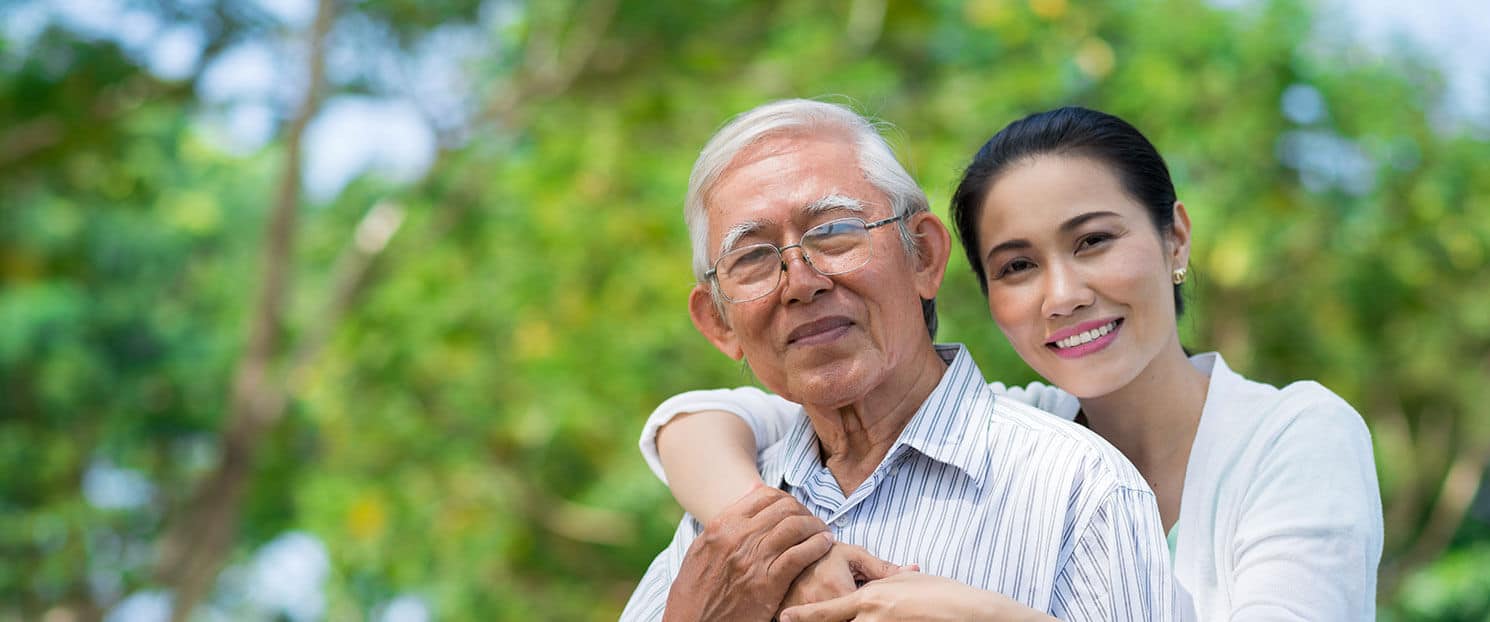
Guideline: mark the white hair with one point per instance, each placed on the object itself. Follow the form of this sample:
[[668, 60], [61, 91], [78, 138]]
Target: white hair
[[877, 162]]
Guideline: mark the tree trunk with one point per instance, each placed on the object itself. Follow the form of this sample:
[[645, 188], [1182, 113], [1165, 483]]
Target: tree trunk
[[202, 535]]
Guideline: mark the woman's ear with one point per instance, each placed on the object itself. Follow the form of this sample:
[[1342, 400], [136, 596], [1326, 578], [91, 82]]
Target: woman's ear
[[1179, 238], [934, 245], [708, 319]]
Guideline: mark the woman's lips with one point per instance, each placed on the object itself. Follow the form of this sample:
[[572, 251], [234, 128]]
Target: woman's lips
[[1085, 339], [819, 331]]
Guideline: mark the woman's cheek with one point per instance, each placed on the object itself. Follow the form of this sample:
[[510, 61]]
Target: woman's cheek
[[1011, 313]]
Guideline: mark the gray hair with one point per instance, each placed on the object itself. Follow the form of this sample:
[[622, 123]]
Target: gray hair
[[802, 116]]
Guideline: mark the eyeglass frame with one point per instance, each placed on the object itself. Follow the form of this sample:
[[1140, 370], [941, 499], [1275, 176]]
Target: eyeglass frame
[[713, 274]]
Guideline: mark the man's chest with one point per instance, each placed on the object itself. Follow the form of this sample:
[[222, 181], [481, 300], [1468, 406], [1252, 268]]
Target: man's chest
[[997, 537]]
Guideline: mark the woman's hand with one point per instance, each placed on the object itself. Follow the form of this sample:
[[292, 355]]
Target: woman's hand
[[841, 571], [912, 595]]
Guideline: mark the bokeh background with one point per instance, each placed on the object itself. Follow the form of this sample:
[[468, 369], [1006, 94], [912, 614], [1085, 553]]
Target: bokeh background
[[316, 309]]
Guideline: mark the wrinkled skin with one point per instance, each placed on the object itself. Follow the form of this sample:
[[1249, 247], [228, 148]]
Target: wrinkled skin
[[741, 565], [840, 572]]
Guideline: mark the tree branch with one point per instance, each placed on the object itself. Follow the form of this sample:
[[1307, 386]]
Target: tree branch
[[196, 545], [1456, 493], [547, 70]]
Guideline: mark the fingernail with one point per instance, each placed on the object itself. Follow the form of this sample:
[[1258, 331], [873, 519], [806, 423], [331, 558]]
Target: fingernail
[[828, 535]]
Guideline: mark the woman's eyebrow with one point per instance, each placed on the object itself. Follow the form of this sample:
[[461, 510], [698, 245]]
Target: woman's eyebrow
[[1078, 221], [1066, 227], [1007, 245]]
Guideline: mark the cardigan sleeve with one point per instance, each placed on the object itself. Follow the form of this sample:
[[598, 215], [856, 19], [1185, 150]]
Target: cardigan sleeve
[[1046, 397], [769, 417], [1309, 529]]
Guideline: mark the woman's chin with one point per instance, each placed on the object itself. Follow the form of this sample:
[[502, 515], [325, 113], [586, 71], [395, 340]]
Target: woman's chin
[[1083, 386]]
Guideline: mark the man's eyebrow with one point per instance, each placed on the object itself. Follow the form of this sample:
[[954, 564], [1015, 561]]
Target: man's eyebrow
[[829, 203], [739, 231], [833, 202]]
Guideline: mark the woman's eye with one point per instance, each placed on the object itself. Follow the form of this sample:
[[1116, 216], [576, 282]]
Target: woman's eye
[[1014, 267], [1095, 239]]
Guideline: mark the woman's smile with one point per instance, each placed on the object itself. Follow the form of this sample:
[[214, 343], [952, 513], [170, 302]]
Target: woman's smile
[[1075, 269], [1085, 338]]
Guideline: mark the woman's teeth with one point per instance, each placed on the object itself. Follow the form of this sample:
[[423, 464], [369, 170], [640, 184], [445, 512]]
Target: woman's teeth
[[1086, 337]]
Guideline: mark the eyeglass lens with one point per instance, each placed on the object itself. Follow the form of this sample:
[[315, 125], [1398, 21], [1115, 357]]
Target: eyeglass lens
[[830, 248]]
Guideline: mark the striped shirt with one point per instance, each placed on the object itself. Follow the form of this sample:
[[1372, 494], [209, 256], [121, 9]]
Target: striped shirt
[[988, 492]]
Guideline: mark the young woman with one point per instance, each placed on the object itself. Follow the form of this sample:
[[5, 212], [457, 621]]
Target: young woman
[[1071, 223]]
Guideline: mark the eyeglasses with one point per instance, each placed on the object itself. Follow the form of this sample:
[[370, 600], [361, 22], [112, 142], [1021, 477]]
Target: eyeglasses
[[835, 247]]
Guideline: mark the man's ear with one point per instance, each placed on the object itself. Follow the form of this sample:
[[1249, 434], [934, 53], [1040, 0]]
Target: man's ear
[[1179, 237], [935, 245], [707, 320]]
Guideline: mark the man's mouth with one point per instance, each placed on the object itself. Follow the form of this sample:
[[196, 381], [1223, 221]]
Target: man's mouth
[[819, 331]]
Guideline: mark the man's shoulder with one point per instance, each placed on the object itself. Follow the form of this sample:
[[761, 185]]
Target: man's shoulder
[[1050, 440]]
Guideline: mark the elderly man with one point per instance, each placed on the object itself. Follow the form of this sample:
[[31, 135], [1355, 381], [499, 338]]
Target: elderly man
[[817, 261]]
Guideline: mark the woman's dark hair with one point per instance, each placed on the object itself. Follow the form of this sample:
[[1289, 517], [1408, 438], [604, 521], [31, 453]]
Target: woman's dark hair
[[1069, 131]]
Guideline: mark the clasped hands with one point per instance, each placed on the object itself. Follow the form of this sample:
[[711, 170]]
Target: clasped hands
[[766, 556]]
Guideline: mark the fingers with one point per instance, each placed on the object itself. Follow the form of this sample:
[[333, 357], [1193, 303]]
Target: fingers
[[836, 610], [787, 533], [759, 498], [828, 577], [865, 566], [779, 509], [799, 556], [781, 525], [745, 515]]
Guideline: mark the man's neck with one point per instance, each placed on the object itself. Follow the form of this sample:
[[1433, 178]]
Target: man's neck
[[854, 438]]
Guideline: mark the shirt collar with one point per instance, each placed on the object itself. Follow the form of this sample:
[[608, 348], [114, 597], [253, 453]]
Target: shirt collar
[[951, 427]]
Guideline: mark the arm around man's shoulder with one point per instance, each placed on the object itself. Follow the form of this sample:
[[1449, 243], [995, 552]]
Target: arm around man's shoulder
[[768, 416], [1048, 398]]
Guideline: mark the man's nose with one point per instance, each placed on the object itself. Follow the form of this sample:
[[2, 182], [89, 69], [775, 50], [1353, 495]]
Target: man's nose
[[803, 282], [1066, 290]]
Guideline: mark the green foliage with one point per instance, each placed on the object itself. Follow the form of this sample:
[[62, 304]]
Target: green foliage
[[467, 435]]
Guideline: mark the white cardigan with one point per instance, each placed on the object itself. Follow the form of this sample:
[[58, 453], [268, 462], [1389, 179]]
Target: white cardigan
[[1280, 517]]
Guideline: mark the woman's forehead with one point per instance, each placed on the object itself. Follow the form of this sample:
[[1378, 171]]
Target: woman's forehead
[[1050, 186]]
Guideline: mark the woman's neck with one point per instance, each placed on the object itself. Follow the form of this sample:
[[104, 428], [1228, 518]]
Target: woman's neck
[[1153, 421]]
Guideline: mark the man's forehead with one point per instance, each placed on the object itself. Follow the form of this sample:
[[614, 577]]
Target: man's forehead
[[828, 201], [787, 178], [828, 204]]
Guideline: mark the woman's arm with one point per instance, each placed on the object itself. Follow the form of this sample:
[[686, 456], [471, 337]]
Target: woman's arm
[[708, 455], [916, 596], [703, 444], [709, 458], [1311, 519], [1046, 397]]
